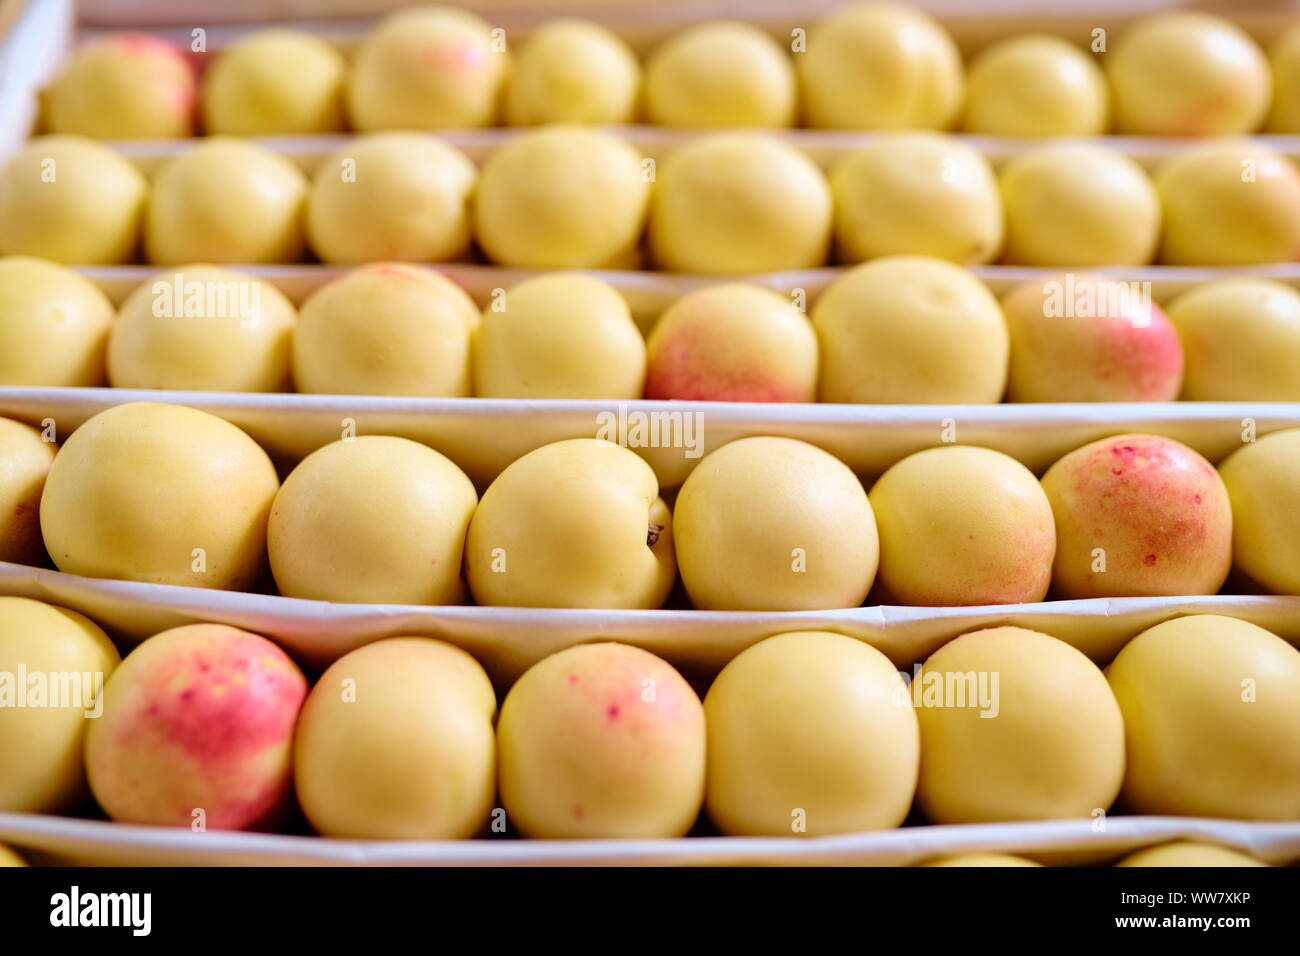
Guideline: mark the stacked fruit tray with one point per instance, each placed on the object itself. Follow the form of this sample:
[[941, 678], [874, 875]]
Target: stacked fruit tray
[[466, 432]]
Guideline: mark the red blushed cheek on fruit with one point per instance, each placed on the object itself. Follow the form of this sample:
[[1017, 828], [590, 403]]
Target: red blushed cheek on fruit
[[1028, 579], [1148, 355], [1207, 114], [249, 709], [454, 58], [1019, 574], [1175, 541], [224, 720], [144, 44], [249, 800], [686, 374], [636, 704], [1168, 506], [182, 95], [171, 69]]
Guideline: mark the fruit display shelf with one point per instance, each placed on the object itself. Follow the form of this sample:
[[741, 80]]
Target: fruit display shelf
[[484, 435]]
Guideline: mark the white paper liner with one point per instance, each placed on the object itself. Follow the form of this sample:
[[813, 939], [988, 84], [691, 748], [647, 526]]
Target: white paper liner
[[649, 292], [484, 435], [30, 54], [972, 25], [824, 147], [508, 640], [1070, 842]]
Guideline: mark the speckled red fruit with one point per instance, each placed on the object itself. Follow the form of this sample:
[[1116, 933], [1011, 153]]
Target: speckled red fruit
[[601, 740], [732, 343], [197, 718], [1138, 515], [1085, 339]]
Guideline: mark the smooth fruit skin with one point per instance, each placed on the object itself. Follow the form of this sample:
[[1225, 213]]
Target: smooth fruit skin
[[275, 83], [1212, 718], [809, 735], [880, 66], [573, 71], [1263, 482], [25, 459], [732, 343], [918, 194], [53, 325], [1242, 341], [561, 197], [426, 67], [199, 717], [720, 74], [1229, 202], [1137, 516], [981, 859], [576, 523], [774, 524], [386, 329], [1284, 58], [72, 200], [124, 86], [1106, 344], [564, 335], [140, 488], [910, 330], [1187, 74], [400, 196], [395, 742], [9, 858], [1035, 85], [372, 520], [203, 341], [601, 741], [1054, 748], [1188, 853], [225, 200], [961, 525], [739, 202], [42, 769], [1078, 204]]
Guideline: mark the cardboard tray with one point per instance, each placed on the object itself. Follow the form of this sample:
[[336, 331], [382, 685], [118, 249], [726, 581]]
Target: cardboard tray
[[484, 435]]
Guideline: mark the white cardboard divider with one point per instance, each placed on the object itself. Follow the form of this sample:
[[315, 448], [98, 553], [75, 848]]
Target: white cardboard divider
[[1064, 842], [30, 54], [824, 147], [507, 640], [973, 26], [649, 292], [484, 435]]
